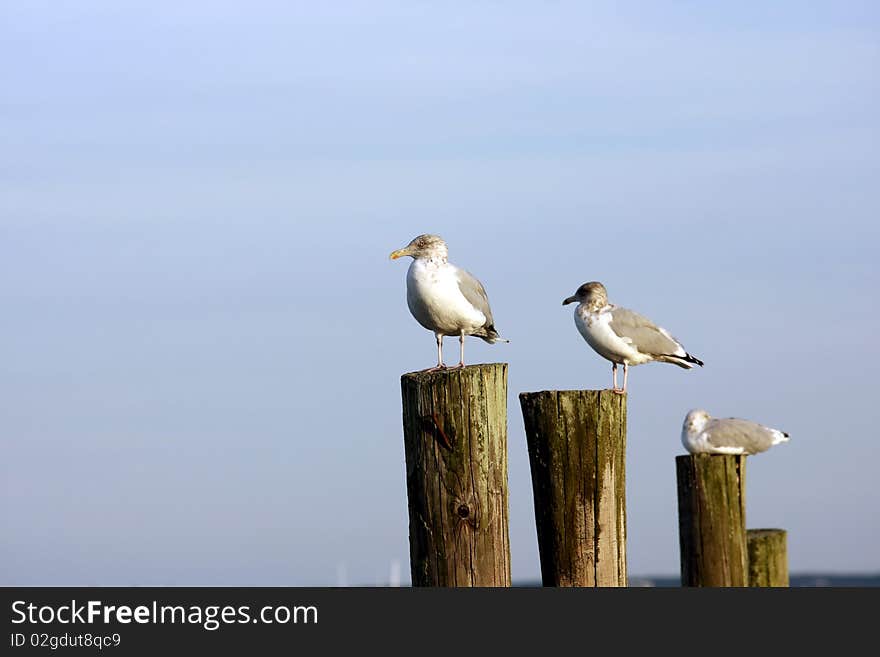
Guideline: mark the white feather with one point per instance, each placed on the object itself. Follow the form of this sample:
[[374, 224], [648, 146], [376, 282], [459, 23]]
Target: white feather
[[435, 300], [596, 330]]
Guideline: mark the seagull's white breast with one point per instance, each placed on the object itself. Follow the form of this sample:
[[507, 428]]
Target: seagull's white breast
[[435, 300], [697, 442], [596, 330]]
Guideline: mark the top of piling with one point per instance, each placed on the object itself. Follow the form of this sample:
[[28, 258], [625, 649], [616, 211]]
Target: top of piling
[[684, 458], [572, 392], [421, 375], [764, 532]]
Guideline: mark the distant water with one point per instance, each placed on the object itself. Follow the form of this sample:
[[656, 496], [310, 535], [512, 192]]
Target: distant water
[[809, 580]]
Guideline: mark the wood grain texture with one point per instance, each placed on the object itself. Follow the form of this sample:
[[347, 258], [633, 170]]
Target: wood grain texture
[[455, 439], [577, 453], [711, 520], [768, 557]]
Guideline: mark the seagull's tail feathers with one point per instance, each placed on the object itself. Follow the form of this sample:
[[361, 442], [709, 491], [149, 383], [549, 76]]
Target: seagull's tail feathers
[[687, 361], [491, 335]]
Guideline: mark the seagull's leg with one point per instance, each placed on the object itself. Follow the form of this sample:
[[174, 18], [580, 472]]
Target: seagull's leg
[[625, 372], [461, 343], [614, 376], [440, 365]]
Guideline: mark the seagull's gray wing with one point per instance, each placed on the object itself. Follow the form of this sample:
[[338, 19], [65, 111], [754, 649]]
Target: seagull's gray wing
[[733, 432], [644, 335], [474, 292]]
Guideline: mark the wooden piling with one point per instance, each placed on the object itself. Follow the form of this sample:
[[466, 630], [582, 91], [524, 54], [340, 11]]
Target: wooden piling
[[768, 557], [711, 519], [455, 439], [577, 452]]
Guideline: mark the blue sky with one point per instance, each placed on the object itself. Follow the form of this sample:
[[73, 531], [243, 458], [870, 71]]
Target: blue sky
[[202, 335]]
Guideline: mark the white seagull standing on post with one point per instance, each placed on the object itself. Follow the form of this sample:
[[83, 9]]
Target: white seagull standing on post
[[622, 336], [443, 298], [703, 434]]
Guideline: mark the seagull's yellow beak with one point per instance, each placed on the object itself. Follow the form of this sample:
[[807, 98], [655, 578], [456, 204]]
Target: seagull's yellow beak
[[398, 254]]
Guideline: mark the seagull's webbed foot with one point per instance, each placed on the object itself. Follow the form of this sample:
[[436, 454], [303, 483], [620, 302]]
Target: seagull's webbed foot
[[436, 368], [459, 366], [618, 391]]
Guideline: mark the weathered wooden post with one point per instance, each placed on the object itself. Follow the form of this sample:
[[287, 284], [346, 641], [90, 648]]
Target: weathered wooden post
[[577, 452], [455, 438], [768, 558], [711, 519]]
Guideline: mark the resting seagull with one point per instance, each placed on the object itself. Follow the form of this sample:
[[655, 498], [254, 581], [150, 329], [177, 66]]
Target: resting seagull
[[703, 434], [622, 336], [443, 298]]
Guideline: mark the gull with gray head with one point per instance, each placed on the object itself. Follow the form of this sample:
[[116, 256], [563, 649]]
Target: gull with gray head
[[443, 298], [703, 434], [622, 336]]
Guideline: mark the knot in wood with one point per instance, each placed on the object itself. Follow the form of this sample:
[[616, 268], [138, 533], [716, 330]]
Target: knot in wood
[[466, 511]]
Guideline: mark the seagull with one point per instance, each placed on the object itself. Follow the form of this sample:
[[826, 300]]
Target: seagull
[[443, 298], [623, 336], [703, 434]]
